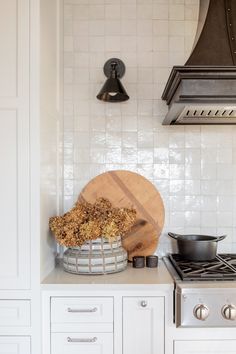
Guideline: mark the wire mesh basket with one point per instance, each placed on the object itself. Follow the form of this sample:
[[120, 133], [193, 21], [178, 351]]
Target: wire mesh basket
[[96, 257]]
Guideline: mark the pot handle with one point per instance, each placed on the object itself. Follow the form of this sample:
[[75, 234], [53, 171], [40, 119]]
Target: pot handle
[[220, 238], [174, 236]]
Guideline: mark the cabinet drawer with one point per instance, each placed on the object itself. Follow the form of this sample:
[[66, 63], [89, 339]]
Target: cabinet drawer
[[14, 345], [14, 313], [205, 347], [81, 309], [74, 343]]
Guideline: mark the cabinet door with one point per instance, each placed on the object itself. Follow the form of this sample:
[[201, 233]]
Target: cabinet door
[[14, 313], [143, 325], [86, 343], [14, 144], [205, 347], [14, 345]]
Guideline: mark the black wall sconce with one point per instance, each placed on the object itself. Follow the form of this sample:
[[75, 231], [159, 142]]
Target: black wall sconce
[[113, 90]]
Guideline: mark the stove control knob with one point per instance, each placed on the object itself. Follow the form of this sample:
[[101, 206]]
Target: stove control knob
[[229, 312], [201, 312]]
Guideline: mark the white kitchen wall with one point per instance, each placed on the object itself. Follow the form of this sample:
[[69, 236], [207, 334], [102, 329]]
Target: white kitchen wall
[[193, 167]]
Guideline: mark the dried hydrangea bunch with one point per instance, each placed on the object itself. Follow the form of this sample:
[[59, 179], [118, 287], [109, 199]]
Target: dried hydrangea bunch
[[86, 221]]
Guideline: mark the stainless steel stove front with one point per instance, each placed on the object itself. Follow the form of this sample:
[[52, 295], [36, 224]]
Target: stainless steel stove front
[[210, 305], [203, 303]]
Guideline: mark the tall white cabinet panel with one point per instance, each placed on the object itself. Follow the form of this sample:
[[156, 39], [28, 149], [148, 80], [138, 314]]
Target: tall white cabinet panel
[[143, 325], [14, 144], [14, 345], [86, 343], [8, 48], [205, 347]]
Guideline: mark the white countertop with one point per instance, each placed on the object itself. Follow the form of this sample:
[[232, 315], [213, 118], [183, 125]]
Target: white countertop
[[131, 278]]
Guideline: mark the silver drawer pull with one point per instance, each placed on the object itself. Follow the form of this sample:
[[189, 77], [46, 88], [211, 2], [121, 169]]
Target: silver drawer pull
[[82, 310], [144, 303], [81, 340]]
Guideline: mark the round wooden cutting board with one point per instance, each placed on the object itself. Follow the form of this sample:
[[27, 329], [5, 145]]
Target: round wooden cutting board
[[129, 189]]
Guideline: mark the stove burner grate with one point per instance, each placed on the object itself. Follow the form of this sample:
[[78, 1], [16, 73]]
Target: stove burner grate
[[223, 267]]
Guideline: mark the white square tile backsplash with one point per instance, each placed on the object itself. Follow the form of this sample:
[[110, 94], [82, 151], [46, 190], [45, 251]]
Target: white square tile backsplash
[[194, 168]]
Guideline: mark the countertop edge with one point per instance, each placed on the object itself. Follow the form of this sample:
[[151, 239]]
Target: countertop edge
[[130, 279]]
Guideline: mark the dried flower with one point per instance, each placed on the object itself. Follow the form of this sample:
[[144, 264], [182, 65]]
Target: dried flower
[[86, 221], [91, 230], [110, 230]]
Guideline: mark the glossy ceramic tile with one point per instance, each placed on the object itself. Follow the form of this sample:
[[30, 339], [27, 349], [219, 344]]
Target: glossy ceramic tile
[[193, 167]]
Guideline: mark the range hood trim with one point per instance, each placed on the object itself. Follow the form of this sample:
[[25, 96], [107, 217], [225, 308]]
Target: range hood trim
[[180, 73]]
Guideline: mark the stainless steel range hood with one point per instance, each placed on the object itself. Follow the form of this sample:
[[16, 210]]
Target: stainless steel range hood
[[203, 91]]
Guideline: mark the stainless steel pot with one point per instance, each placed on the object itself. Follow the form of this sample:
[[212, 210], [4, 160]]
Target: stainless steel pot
[[197, 247]]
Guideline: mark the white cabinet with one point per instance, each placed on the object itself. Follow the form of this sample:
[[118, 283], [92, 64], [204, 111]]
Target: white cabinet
[[81, 325], [15, 176], [86, 343], [205, 347], [66, 310], [143, 325], [14, 313], [14, 145], [14, 345]]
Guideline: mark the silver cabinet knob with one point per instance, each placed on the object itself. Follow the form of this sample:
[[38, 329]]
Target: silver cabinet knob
[[201, 312], [229, 312], [144, 303]]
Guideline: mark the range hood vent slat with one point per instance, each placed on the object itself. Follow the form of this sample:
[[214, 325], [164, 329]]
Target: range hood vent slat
[[193, 115]]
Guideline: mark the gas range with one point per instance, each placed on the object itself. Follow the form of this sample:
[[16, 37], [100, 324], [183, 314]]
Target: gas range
[[223, 267], [205, 292]]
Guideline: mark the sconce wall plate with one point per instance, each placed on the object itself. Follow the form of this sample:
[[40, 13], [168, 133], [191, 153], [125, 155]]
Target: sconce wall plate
[[120, 67]]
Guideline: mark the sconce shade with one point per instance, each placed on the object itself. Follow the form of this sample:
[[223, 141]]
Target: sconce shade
[[113, 90]]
